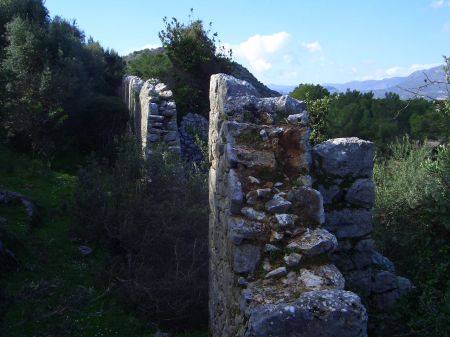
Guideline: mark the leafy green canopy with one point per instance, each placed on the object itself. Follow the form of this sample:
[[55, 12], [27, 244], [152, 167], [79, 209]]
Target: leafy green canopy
[[193, 53], [49, 74]]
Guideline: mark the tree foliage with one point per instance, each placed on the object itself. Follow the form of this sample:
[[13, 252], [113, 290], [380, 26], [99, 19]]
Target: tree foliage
[[413, 215], [152, 216], [195, 57], [49, 73]]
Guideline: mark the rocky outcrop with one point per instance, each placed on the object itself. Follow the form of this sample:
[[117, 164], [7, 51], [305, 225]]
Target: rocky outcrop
[[34, 212], [153, 114], [270, 271], [343, 169]]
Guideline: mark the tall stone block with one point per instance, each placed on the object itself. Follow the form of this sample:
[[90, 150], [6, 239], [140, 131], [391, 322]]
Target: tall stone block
[[153, 114], [270, 271], [343, 170]]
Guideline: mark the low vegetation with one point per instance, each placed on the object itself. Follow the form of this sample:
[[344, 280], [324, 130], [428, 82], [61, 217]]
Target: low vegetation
[[413, 215], [151, 217]]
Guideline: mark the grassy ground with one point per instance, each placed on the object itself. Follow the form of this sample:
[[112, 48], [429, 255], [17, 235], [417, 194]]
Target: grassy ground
[[56, 291]]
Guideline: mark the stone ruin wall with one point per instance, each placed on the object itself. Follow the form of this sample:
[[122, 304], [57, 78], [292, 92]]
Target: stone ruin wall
[[283, 215], [153, 114], [270, 268], [343, 170]]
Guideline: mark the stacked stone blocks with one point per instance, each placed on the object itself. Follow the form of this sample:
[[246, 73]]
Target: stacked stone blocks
[[153, 114], [269, 267], [343, 170]]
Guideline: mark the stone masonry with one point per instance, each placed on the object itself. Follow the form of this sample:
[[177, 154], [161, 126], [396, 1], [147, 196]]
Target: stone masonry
[[270, 268], [343, 169], [153, 114]]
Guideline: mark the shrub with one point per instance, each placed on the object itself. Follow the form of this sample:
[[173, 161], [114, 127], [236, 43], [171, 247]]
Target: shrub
[[413, 213], [153, 216]]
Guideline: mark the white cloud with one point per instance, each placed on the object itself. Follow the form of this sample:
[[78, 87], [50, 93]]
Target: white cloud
[[258, 50], [397, 71], [312, 47], [440, 4], [277, 58]]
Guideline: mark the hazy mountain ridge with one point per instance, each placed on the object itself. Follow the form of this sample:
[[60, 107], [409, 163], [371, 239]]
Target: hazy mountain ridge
[[405, 87]]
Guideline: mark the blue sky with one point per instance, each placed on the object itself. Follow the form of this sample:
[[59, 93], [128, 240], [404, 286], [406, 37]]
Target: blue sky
[[290, 41]]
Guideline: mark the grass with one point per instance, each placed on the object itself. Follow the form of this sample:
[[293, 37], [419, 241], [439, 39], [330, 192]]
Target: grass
[[56, 290]]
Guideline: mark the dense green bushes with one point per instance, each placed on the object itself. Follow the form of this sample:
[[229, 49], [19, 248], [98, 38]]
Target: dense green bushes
[[413, 213], [49, 72], [356, 114], [153, 217]]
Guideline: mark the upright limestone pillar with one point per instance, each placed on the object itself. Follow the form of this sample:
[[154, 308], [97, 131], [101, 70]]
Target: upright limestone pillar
[[270, 269]]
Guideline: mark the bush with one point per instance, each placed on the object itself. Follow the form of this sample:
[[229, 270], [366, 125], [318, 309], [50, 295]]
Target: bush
[[413, 213], [153, 216]]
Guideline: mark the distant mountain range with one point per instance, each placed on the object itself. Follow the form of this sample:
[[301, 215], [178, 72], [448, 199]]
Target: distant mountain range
[[406, 87]]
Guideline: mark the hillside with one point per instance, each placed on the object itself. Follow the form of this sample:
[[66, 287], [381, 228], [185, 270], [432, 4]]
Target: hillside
[[237, 70], [405, 87]]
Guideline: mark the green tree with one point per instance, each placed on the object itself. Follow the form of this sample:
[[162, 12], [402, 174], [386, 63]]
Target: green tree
[[195, 57], [309, 92]]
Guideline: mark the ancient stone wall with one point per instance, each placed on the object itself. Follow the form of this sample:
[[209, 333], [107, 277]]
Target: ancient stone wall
[[270, 268], [343, 170], [153, 114]]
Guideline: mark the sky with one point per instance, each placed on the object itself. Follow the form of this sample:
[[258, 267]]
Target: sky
[[285, 42]]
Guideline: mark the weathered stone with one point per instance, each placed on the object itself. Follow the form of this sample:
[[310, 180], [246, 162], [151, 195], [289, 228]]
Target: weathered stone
[[254, 180], [292, 260], [235, 192], [154, 109], [362, 259], [33, 210], [171, 136], [359, 281], [278, 204], [308, 202], [268, 248], [314, 242], [289, 105], [251, 198], [160, 87], [344, 157], [325, 313], [349, 223], [361, 193], [384, 281], [304, 181], [386, 301], [283, 157], [154, 137], [85, 250], [263, 192], [246, 258], [330, 193], [365, 246], [255, 159], [169, 112], [382, 262], [343, 261], [145, 107], [253, 214], [322, 277], [404, 285], [241, 229], [286, 220], [166, 94], [277, 273], [301, 119], [264, 135]]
